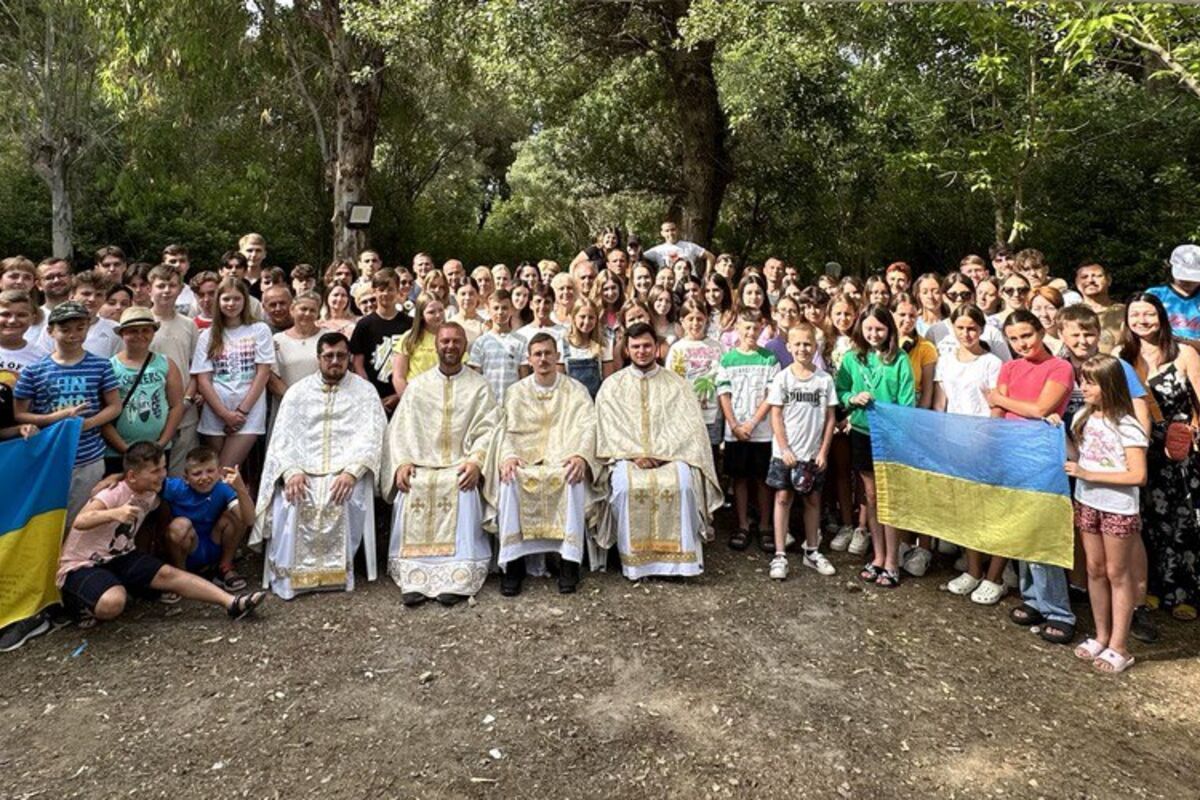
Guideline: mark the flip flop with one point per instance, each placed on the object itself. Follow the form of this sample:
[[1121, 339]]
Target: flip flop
[[1026, 614], [1089, 650], [1065, 632], [1110, 662]]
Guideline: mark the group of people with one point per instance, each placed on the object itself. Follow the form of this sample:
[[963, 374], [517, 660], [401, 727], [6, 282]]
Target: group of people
[[526, 420]]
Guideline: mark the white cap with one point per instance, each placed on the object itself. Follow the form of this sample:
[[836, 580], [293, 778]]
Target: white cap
[[1185, 263]]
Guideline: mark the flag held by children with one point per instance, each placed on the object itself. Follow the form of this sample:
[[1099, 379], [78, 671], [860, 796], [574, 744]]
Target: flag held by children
[[992, 485], [36, 476]]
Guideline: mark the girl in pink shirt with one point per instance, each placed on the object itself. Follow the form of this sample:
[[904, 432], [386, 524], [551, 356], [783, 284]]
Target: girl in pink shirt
[[1036, 385]]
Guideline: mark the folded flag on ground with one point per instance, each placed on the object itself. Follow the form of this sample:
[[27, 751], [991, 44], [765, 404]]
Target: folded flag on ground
[[36, 476], [992, 485]]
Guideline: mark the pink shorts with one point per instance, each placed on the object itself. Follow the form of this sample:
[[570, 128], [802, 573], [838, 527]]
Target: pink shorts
[[1094, 521]]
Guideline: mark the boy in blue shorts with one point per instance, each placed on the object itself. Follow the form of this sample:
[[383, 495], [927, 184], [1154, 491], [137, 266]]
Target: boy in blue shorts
[[210, 513]]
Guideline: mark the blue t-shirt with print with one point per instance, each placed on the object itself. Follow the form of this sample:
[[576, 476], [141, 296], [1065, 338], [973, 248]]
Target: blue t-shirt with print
[[50, 386], [1183, 312]]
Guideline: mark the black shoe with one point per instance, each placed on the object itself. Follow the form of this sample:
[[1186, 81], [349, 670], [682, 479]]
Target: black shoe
[[451, 599], [568, 577], [1143, 628], [411, 599], [513, 577], [21, 631]]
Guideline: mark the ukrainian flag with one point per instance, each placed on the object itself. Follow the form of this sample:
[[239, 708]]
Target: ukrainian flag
[[992, 485], [36, 476]]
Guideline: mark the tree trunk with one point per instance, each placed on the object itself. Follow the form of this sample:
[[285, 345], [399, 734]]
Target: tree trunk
[[706, 169], [51, 167], [357, 71], [999, 224], [357, 124]]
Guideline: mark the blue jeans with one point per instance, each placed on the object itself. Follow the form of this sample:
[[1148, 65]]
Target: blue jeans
[[1045, 588]]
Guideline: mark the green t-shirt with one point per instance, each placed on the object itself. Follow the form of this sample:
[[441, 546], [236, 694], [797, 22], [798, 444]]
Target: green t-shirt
[[887, 383], [145, 415]]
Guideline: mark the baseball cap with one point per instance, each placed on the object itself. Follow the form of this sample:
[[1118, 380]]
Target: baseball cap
[[65, 312], [136, 315], [1185, 263]]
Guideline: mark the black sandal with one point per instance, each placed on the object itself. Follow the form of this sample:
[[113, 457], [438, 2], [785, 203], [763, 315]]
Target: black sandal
[[766, 541], [244, 604], [888, 579], [740, 539], [1058, 632], [870, 573], [1026, 615]]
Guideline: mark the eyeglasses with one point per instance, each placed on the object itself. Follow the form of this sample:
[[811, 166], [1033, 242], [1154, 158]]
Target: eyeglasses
[[958, 296], [786, 312], [1014, 291]]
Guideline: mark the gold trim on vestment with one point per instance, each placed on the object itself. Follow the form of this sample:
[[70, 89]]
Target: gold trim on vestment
[[430, 516], [319, 552], [653, 504]]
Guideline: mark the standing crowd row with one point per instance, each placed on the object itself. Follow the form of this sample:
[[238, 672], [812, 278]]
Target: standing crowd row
[[568, 422]]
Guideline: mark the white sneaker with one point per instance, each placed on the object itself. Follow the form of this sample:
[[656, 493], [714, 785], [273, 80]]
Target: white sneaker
[[916, 562], [779, 568], [988, 593], [963, 585], [842, 540], [815, 559], [859, 541]]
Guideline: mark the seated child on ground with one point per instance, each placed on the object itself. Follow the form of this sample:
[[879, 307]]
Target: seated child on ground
[[99, 568], [210, 512]]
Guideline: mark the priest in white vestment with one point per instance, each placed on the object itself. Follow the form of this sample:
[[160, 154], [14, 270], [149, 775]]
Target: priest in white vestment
[[547, 464], [316, 499], [651, 437], [439, 463]]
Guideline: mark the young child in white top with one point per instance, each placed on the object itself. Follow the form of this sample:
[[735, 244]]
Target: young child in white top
[[802, 400], [1108, 445]]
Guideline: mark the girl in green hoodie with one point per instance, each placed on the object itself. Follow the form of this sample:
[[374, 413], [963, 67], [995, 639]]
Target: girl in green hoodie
[[875, 370]]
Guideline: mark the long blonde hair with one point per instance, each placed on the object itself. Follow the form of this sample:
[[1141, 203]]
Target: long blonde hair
[[419, 328], [593, 340], [216, 341]]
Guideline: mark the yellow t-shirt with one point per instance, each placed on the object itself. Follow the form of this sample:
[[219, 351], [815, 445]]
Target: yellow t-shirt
[[922, 354], [424, 355]]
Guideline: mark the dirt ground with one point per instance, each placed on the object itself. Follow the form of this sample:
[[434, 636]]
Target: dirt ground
[[728, 685]]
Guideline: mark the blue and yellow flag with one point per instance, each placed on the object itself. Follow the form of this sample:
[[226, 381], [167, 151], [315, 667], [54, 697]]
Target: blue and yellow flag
[[36, 475], [992, 485]]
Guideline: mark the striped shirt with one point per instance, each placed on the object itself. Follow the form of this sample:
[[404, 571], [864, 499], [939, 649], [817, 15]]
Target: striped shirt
[[497, 356], [50, 386]]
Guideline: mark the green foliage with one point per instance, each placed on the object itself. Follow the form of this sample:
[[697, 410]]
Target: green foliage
[[516, 129]]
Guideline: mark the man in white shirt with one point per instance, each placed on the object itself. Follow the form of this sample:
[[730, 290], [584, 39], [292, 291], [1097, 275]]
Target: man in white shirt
[[672, 248]]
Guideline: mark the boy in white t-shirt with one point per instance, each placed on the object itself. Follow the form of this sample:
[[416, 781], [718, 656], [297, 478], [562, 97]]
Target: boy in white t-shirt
[[802, 399]]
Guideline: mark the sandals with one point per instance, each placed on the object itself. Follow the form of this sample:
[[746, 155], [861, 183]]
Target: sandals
[[766, 541], [740, 539], [231, 580], [888, 579], [1184, 612], [244, 604], [1056, 632], [870, 573], [1089, 650], [1110, 662], [1026, 615]]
